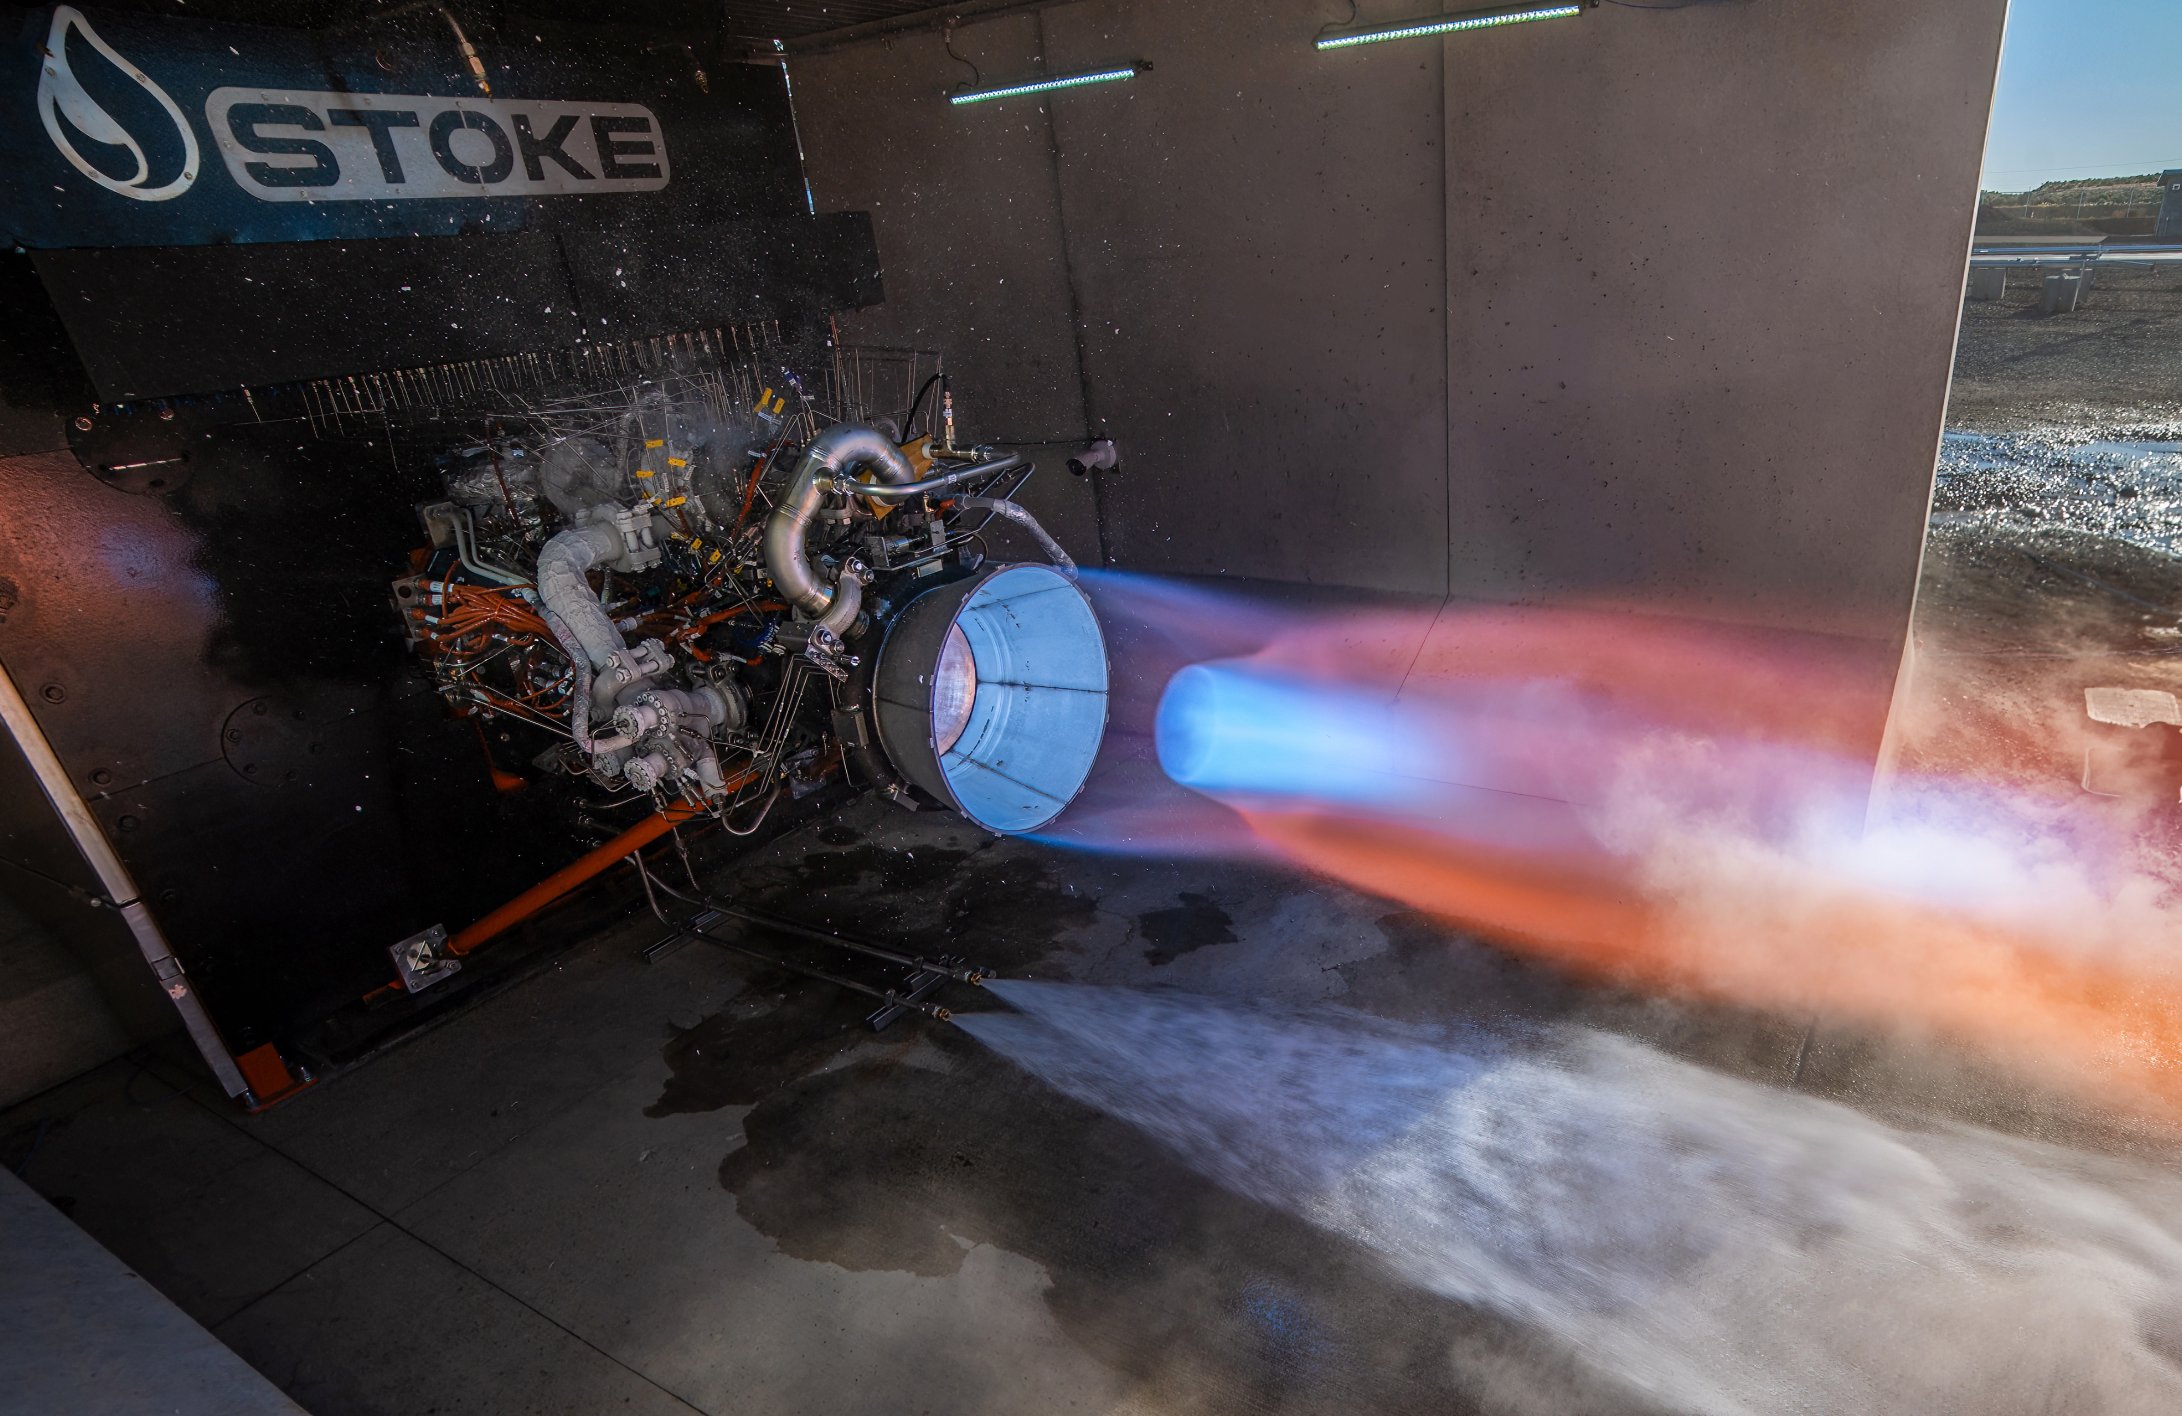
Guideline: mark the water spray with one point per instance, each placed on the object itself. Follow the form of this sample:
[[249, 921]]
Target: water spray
[[1715, 1246]]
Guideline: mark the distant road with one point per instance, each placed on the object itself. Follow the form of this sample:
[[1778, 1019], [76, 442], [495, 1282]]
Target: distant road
[[2006, 250]]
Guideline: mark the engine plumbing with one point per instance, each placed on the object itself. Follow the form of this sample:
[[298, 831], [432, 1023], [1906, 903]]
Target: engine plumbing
[[708, 605]]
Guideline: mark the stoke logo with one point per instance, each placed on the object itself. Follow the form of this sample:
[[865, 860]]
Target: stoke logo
[[73, 117], [309, 145], [288, 145]]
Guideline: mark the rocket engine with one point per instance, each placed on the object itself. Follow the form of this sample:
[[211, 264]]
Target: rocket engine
[[710, 605]]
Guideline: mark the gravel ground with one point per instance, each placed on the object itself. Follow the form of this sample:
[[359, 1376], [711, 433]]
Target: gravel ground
[[2115, 364], [2054, 562]]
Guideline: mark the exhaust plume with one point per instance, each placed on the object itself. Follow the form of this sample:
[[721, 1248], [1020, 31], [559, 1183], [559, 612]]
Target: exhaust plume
[[1670, 805]]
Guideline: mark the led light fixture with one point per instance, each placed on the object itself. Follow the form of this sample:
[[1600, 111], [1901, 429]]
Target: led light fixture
[[1063, 81], [1451, 24]]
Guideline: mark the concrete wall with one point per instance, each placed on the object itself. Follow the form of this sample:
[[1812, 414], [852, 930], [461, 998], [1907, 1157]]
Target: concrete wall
[[970, 239], [1649, 307], [1708, 266]]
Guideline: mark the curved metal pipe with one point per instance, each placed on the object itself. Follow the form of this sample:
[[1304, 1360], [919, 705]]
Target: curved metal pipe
[[1021, 516], [831, 456], [563, 589], [848, 598], [571, 609], [471, 558], [906, 490]]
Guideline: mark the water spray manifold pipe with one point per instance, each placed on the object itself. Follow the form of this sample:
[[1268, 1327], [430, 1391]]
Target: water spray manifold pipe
[[955, 969], [885, 995]]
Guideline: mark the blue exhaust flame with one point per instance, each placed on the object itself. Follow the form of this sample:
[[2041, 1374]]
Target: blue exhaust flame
[[1228, 730]]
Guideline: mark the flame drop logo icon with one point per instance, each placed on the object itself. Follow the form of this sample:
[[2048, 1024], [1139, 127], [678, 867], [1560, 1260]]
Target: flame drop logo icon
[[62, 95]]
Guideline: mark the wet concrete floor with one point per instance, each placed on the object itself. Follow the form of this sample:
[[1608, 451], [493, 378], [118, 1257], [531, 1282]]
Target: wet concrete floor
[[701, 1183]]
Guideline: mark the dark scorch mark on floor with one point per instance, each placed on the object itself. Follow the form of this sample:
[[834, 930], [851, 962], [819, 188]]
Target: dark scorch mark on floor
[[996, 903], [1009, 911], [1184, 928], [889, 869]]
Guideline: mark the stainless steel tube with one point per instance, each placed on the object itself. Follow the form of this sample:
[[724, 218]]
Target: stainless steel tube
[[1021, 516], [906, 490], [831, 457], [848, 598]]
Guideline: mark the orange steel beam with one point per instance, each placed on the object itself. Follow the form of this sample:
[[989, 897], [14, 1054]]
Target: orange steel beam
[[568, 877]]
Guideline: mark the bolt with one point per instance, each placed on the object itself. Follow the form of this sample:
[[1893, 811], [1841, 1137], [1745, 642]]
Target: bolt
[[234, 734], [166, 415], [83, 424], [100, 777], [127, 823], [53, 693], [258, 707]]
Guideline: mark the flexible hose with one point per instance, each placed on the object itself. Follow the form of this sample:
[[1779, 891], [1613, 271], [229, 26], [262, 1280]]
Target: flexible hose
[[579, 699], [1016, 513], [572, 611]]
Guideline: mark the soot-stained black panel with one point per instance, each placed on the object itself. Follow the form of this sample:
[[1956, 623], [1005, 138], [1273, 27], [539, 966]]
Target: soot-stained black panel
[[208, 640], [726, 129], [189, 319], [217, 668], [785, 19], [150, 323], [209, 210], [722, 272]]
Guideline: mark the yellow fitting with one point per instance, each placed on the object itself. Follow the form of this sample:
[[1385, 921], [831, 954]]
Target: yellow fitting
[[655, 442]]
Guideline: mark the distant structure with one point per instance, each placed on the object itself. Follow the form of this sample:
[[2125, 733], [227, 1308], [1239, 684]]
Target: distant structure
[[2170, 204]]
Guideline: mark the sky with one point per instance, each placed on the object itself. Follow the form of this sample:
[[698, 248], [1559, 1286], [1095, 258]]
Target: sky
[[2088, 88]]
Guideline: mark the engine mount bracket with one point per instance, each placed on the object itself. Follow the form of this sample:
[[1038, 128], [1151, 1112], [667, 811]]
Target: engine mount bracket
[[422, 959]]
